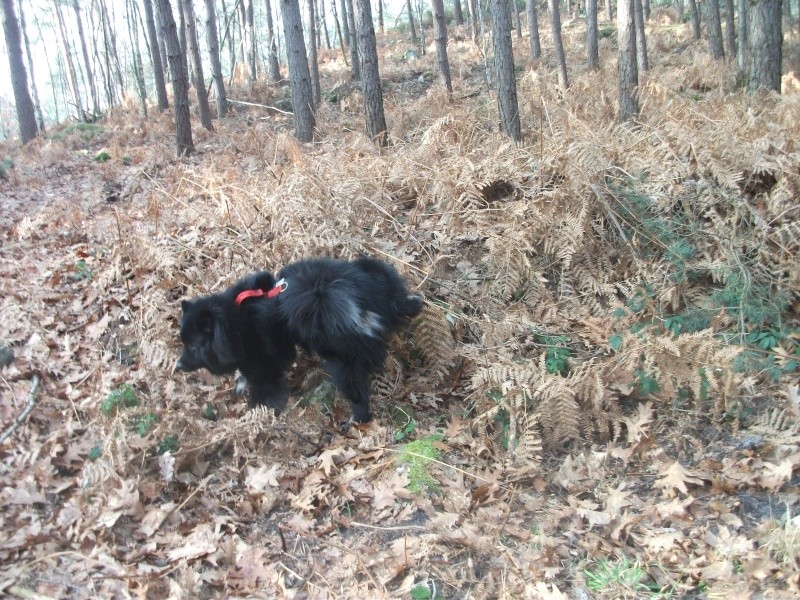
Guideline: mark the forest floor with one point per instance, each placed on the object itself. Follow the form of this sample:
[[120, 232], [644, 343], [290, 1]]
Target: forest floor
[[600, 399]]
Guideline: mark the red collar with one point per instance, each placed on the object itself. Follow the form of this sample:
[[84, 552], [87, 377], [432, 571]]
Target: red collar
[[279, 287]]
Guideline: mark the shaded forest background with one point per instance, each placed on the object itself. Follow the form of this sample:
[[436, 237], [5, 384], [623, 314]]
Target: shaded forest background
[[600, 399]]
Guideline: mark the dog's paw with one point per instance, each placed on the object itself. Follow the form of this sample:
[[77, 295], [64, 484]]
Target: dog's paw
[[240, 389]]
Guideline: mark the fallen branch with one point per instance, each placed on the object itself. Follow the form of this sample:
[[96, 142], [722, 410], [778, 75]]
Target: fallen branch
[[24, 415], [267, 106]]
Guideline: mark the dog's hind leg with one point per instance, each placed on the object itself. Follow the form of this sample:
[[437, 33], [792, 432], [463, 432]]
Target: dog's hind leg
[[352, 382], [272, 393]]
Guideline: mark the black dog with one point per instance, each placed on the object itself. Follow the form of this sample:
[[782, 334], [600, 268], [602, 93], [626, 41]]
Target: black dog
[[342, 311]]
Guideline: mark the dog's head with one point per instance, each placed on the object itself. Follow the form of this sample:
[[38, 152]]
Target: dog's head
[[205, 337]]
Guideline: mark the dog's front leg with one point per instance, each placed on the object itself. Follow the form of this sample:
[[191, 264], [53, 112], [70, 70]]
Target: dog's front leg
[[272, 393]]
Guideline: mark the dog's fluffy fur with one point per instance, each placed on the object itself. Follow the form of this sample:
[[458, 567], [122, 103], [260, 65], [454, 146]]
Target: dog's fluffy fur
[[342, 311]]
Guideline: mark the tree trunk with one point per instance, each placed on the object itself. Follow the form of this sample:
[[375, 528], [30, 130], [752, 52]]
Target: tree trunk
[[459, 14], [715, 30], [504, 71], [136, 59], [593, 59], [272, 48], [155, 57], [766, 45], [347, 38], [512, 4], [555, 26], [162, 46], [86, 62], [324, 20], [440, 36], [199, 77], [212, 41], [533, 30], [339, 32], [695, 19], [628, 75], [299, 77], [730, 29], [252, 49], [641, 41], [312, 58], [37, 105], [355, 63], [609, 10], [414, 38], [679, 10], [370, 76], [26, 117], [741, 53], [473, 19], [181, 25], [180, 87], [72, 76], [380, 16]]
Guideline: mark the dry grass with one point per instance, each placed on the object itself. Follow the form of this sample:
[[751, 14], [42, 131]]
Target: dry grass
[[519, 250]]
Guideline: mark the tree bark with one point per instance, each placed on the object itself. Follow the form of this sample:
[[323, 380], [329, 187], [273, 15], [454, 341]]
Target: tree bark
[[312, 58], [324, 20], [212, 41], [197, 62], [380, 16], [370, 76], [741, 53], [274, 66], [766, 45], [355, 63], [347, 34], [414, 38], [504, 71], [592, 46], [72, 75], [641, 41], [555, 26], [473, 19], [155, 57], [695, 19], [26, 117], [459, 14], [37, 105], [299, 76], [533, 29], [715, 30], [440, 36], [136, 58], [86, 62], [628, 75], [609, 10], [180, 86], [730, 29]]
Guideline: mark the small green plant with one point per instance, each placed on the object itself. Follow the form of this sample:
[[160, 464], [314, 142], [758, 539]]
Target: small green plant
[[209, 412], [126, 160], [168, 444], [556, 354], [648, 384], [764, 339], [82, 270], [95, 453], [102, 156], [146, 423], [616, 575], [123, 397], [406, 422], [425, 590], [418, 455], [674, 324]]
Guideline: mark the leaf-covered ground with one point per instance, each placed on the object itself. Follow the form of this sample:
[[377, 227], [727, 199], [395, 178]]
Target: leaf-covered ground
[[600, 399]]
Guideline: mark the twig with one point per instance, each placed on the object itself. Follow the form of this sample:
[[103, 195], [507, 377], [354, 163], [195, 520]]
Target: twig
[[24, 415], [260, 106], [18, 590], [395, 528]]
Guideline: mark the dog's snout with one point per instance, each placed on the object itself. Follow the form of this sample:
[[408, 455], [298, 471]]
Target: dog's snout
[[179, 365]]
